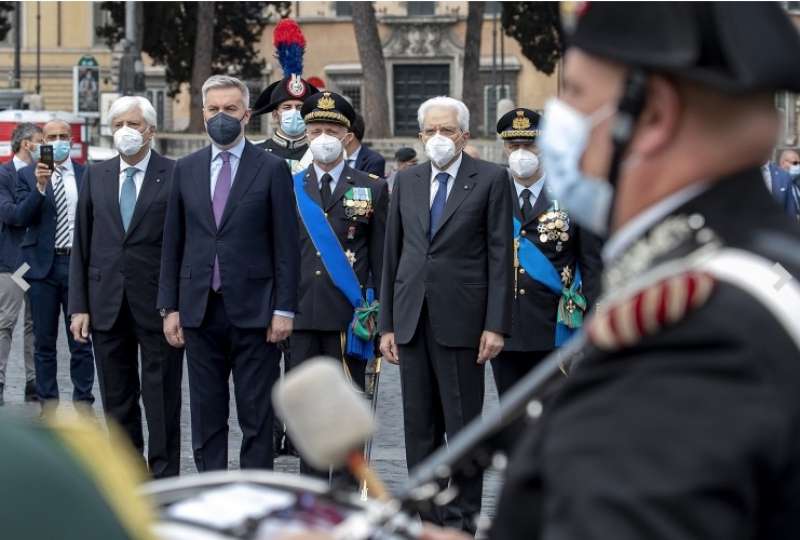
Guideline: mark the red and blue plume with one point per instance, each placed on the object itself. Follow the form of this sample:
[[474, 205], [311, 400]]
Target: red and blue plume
[[290, 44]]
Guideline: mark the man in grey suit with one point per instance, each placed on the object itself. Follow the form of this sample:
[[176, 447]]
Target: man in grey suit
[[446, 289]]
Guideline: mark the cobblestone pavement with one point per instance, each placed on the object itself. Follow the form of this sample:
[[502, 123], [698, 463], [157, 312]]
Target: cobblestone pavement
[[388, 456]]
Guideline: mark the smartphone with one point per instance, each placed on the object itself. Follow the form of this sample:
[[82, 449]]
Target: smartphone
[[46, 155]]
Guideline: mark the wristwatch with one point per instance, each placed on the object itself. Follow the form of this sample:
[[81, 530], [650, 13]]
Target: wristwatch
[[165, 311]]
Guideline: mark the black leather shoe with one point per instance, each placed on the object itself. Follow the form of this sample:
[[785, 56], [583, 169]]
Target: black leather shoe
[[30, 391]]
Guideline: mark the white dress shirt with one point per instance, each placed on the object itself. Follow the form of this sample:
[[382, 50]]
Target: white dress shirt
[[70, 190], [535, 189], [636, 227], [335, 173], [18, 163], [216, 162], [452, 170], [138, 177]]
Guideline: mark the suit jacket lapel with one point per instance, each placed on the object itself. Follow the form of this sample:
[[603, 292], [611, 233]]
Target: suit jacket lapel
[[515, 199], [462, 186], [540, 206], [422, 197], [345, 182], [245, 174], [151, 185], [110, 184], [311, 185]]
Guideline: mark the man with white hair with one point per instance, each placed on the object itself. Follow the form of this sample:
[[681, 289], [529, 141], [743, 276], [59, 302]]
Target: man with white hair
[[47, 198], [116, 257], [446, 288], [229, 271]]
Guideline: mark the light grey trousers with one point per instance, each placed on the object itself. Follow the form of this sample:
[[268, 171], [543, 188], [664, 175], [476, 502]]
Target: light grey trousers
[[12, 299]]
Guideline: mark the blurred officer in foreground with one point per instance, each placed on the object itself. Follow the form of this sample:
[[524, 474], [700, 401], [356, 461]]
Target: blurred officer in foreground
[[682, 420], [25, 141], [342, 215], [556, 263]]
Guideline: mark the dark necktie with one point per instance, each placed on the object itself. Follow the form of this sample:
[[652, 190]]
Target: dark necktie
[[221, 191], [63, 237], [437, 208], [325, 189], [527, 207]]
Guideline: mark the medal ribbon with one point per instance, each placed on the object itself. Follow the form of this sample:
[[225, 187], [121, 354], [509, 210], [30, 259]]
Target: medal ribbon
[[539, 268], [361, 331]]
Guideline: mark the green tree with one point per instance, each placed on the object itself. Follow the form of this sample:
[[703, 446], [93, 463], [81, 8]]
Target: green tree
[[170, 37], [537, 28]]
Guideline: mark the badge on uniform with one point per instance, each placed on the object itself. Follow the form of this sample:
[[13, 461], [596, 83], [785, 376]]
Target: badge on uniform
[[554, 227], [357, 202]]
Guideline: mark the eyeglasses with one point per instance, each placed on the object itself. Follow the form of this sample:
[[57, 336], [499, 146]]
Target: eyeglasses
[[448, 132]]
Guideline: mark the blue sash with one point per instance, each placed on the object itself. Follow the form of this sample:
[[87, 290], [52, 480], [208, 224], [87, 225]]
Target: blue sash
[[539, 267], [335, 261]]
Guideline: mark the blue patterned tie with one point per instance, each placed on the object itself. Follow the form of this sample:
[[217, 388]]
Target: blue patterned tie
[[437, 208], [127, 199]]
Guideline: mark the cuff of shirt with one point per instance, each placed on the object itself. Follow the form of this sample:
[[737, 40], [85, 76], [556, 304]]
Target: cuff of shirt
[[287, 314]]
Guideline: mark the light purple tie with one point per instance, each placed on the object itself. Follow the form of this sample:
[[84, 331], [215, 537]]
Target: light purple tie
[[221, 192]]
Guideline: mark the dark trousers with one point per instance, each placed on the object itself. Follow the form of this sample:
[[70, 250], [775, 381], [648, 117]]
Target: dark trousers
[[442, 392], [116, 353], [214, 350], [48, 299], [310, 343], [510, 366]]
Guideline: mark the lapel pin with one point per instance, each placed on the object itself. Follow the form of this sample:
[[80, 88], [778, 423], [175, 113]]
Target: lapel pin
[[158, 180], [466, 187]]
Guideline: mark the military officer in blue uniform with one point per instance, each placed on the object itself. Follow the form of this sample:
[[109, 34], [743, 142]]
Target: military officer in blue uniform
[[556, 263], [342, 213]]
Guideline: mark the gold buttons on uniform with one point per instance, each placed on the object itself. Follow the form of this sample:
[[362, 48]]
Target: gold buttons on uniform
[[318, 254], [318, 273], [523, 232], [521, 270], [522, 291]]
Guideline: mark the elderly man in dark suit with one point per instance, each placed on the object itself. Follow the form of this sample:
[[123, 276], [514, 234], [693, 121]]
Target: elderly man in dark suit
[[47, 200], [116, 256], [361, 157], [446, 288], [25, 141], [229, 268]]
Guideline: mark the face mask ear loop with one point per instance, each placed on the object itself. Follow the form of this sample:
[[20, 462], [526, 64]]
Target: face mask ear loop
[[629, 108]]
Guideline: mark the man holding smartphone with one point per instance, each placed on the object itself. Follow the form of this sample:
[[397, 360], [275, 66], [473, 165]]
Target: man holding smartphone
[[48, 195]]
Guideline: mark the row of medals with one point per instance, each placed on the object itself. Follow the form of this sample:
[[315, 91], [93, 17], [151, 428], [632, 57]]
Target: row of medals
[[553, 227], [353, 208]]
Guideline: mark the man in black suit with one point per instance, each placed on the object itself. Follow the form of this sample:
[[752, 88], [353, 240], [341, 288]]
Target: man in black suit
[[25, 141], [360, 157], [446, 288], [354, 204], [47, 200], [116, 256], [549, 302], [228, 285]]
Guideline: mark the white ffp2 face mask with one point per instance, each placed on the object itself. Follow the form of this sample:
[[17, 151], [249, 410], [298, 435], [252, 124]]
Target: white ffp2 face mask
[[128, 141], [440, 150], [563, 141], [325, 148], [523, 163]]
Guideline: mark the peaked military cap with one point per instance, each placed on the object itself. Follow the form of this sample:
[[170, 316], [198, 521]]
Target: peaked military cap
[[736, 47], [328, 107], [519, 124], [291, 87]]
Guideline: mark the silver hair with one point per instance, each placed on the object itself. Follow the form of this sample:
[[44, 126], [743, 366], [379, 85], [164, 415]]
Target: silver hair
[[128, 103], [445, 101], [23, 132], [226, 81]]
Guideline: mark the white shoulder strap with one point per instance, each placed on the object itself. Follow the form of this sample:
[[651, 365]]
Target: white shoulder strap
[[766, 281]]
